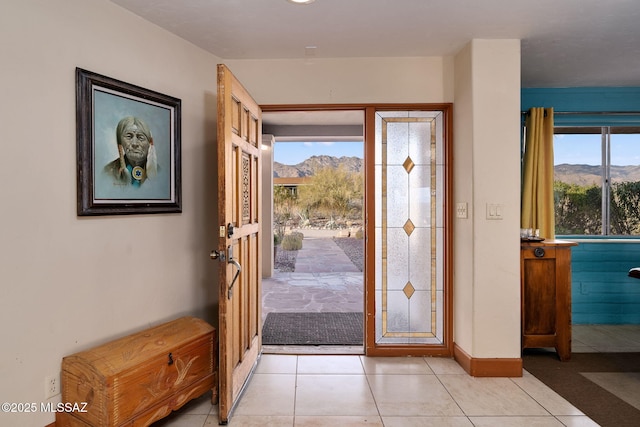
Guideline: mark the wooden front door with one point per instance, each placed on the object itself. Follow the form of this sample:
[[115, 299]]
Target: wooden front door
[[239, 199]]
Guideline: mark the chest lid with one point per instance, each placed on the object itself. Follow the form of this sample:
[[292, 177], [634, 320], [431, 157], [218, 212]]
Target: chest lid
[[128, 352]]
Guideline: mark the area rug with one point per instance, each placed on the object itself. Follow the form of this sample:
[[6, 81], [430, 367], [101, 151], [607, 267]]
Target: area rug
[[571, 380], [313, 329]]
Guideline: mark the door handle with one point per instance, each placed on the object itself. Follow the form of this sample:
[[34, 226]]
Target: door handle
[[233, 282], [221, 256]]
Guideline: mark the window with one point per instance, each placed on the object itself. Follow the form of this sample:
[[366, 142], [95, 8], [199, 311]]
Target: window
[[597, 180]]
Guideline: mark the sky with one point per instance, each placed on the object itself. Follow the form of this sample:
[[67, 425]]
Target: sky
[[586, 149], [571, 149], [292, 153]]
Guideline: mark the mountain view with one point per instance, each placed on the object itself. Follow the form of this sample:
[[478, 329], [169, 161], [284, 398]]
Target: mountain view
[[307, 167], [589, 175], [571, 174]]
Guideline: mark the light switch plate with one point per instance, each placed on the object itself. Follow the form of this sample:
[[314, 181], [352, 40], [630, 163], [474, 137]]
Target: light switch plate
[[495, 211]]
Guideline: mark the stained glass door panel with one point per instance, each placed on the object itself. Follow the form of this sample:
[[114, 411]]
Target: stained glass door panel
[[409, 227]]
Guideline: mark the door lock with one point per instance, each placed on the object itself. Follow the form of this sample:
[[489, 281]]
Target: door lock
[[219, 255]]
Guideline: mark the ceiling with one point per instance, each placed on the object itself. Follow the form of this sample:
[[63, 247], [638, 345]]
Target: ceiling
[[315, 125], [565, 43]]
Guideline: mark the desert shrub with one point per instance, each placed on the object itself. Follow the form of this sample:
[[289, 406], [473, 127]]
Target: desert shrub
[[292, 242], [298, 234]]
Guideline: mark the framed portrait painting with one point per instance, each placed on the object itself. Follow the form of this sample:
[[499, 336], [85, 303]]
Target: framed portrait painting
[[128, 148]]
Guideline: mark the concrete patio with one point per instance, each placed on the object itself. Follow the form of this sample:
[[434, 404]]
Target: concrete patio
[[324, 280]]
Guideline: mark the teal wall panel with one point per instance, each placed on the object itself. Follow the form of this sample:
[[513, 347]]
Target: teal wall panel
[[582, 99], [586, 100], [602, 292]]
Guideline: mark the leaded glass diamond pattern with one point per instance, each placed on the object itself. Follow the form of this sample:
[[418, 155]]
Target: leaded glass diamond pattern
[[409, 227], [408, 290], [408, 165]]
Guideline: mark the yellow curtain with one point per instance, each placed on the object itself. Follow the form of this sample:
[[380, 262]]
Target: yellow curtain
[[537, 179]]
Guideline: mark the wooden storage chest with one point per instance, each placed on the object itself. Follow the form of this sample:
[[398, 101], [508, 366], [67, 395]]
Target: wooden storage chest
[[141, 378]]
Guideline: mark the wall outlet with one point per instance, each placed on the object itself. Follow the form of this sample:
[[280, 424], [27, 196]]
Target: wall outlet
[[461, 210], [51, 386]]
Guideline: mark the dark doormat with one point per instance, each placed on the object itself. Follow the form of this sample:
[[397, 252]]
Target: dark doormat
[[567, 379], [313, 329]]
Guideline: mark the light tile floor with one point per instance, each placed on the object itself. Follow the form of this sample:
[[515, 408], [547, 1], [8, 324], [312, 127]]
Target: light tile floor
[[354, 390]]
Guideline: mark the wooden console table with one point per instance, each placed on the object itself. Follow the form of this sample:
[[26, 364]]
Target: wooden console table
[[545, 280]]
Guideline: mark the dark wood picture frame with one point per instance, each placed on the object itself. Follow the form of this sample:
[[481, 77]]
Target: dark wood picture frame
[[114, 175]]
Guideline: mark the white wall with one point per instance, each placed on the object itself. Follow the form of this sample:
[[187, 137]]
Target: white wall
[[487, 171], [463, 180], [346, 80], [268, 142], [69, 283], [483, 81]]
